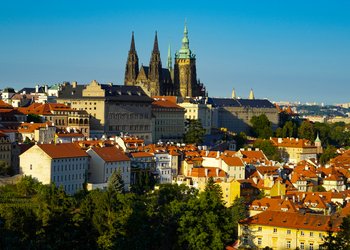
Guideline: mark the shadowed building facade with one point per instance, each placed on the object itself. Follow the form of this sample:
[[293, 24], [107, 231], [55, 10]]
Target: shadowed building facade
[[180, 80]]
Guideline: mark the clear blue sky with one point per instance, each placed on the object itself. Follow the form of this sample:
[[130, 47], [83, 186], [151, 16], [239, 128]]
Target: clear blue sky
[[284, 50]]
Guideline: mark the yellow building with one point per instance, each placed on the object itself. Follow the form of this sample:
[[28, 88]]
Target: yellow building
[[198, 110], [295, 149], [286, 230]]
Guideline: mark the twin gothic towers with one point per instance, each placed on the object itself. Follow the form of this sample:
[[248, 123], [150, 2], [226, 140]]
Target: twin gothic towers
[[180, 80]]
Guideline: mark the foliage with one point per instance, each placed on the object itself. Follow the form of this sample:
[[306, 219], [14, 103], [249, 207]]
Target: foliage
[[306, 131], [241, 140], [36, 216], [34, 118], [116, 182], [261, 126], [341, 240], [329, 153], [5, 169], [195, 132], [268, 148]]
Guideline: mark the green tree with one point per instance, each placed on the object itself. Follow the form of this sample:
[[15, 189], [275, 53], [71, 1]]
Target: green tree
[[239, 212], [268, 148], [341, 240], [329, 153], [195, 132], [27, 186], [241, 140], [306, 131], [206, 223], [261, 126], [34, 118], [116, 182]]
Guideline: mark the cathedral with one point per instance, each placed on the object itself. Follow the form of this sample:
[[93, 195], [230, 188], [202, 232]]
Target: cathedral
[[180, 80]]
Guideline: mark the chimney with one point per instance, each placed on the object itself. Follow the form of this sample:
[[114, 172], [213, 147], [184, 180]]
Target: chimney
[[206, 152], [279, 140], [37, 88], [74, 84], [217, 154], [206, 172], [217, 172], [46, 88]]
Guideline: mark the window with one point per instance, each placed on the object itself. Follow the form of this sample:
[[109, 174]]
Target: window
[[288, 231], [259, 241], [30, 167], [311, 246], [302, 246], [302, 233], [275, 230], [288, 244], [311, 234], [259, 229]]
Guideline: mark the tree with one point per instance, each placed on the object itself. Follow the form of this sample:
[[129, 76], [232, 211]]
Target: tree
[[329, 153], [241, 139], [27, 186], [206, 223], [195, 132], [306, 131], [341, 240], [116, 182], [34, 118], [261, 126], [268, 148], [239, 212]]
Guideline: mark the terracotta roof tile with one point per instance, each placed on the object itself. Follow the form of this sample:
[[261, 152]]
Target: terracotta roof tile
[[111, 154], [62, 150]]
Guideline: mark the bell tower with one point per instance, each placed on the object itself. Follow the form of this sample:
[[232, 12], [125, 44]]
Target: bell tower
[[185, 75]]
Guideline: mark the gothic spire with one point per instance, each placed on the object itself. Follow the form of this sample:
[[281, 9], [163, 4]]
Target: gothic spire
[[170, 61], [155, 45], [185, 41], [132, 45]]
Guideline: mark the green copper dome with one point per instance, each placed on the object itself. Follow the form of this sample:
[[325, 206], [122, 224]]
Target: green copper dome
[[185, 52]]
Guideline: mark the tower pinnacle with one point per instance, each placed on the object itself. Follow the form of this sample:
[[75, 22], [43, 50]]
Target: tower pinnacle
[[234, 94], [155, 45], [170, 61], [132, 45], [251, 95]]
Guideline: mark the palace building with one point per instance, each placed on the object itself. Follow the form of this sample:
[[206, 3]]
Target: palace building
[[180, 80]]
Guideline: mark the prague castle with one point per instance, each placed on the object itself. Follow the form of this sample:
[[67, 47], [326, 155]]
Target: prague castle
[[180, 80]]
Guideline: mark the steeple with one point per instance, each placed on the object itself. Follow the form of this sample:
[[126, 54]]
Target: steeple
[[170, 61], [185, 41], [132, 64], [234, 94], [251, 95], [155, 65], [155, 45], [132, 46]]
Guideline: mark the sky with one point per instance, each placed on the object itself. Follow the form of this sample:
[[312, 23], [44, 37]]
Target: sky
[[283, 50]]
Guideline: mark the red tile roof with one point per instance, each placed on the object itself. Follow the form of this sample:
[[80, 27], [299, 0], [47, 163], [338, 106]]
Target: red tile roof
[[111, 154], [62, 150], [141, 154], [299, 221], [211, 172]]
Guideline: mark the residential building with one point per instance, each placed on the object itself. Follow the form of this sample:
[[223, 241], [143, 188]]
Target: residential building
[[198, 110], [286, 230], [65, 165], [37, 132], [106, 160], [294, 149], [5, 149], [141, 163], [112, 108], [169, 121]]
